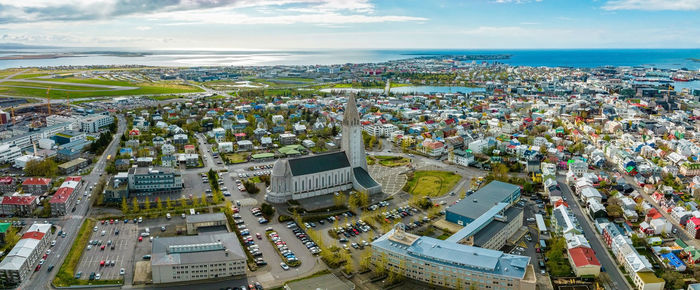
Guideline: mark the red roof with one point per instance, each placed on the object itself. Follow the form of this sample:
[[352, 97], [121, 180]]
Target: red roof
[[239, 134], [33, 235], [695, 221], [560, 202], [74, 178], [61, 195], [37, 181], [18, 200], [583, 256], [189, 146], [6, 180]]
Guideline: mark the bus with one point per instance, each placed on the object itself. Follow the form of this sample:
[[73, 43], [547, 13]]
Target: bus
[[543, 245]]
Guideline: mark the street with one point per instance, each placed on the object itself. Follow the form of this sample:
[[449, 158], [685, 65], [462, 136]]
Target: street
[[601, 252]]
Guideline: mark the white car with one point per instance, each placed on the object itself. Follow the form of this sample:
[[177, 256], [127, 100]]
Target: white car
[[53, 243], [122, 271], [97, 276], [284, 266]]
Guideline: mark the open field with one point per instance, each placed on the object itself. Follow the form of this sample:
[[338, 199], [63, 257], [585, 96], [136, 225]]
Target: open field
[[29, 89], [431, 183], [392, 161]]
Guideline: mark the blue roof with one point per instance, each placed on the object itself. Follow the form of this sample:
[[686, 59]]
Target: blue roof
[[457, 255], [673, 260]]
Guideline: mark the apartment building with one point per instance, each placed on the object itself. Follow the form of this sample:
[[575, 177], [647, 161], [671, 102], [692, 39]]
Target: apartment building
[[93, 123], [21, 261]]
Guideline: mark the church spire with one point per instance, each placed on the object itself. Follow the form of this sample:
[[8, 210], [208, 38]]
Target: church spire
[[351, 116]]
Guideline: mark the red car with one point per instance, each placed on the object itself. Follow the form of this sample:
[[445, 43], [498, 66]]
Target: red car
[[111, 222], [258, 236], [102, 263], [102, 248], [140, 239], [235, 210], [103, 222], [37, 267]]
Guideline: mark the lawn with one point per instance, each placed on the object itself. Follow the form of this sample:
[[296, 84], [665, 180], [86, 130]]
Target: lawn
[[431, 183], [237, 157], [66, 274], [392, 161], [39, 89]]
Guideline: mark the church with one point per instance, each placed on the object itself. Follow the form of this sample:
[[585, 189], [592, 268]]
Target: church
[[323, 174]]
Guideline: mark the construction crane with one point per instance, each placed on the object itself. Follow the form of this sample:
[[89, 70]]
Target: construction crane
[[68, 104], [12, 110], [48, 101]]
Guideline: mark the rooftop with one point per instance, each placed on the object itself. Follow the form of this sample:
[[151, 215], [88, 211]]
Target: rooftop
[[196, 249], [318, 163], [478, 203], [202, 218]]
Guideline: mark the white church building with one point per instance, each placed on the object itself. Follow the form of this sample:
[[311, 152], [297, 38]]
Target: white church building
[[328, 173]]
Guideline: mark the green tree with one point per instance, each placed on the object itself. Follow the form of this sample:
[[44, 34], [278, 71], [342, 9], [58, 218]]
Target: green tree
[[11, 237], [204, 199], [614, 210], [46, 167], [168, 203], [135, 205], [183, 203], [147, 204], [267, 210], [159, 204], [339, 199]]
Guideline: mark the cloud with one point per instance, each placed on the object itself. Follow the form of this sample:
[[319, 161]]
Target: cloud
[[37, 11], [516, 1], [652, 5]]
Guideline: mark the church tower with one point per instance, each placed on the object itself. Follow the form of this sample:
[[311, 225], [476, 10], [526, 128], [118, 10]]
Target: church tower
[[351, 141]]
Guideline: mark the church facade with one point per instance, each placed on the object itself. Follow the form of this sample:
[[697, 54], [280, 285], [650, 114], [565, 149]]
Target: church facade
[[322, 174]]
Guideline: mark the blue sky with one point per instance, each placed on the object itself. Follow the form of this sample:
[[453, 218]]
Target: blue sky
[[352, 24]]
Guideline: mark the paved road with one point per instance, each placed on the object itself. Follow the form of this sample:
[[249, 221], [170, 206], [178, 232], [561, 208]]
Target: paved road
[[601, 252], [71, 223]]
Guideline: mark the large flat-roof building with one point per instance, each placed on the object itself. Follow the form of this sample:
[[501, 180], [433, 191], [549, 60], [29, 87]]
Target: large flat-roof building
[[449, 264], [492, 229], [147, 181], [209, 220], [190, 258], [94, 123], [480, 202]]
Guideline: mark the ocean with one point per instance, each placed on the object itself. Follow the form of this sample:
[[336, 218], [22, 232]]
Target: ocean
[[580, 58]]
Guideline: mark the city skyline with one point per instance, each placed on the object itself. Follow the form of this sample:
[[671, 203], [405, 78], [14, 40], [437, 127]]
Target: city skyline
[[357, 24]]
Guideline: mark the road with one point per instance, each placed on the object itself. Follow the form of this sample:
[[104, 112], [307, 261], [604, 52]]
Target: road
[[601, 252], [71, 223]]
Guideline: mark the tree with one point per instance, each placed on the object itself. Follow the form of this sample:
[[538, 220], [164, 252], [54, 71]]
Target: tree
[[125, 207], [365, 260], [159, 204], [135, 205], [614, 210], [195, 202], [674, 280], [349, 267], [168, 203], [11, 237], [46, 167], [147, 204], [339, 199], [204, 199], [250, 187], [267, 210], [183, 202]]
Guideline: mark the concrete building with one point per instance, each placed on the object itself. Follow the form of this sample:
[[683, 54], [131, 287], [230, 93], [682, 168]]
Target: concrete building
[[9, 152], [478, 203], [8, 184], [21, 261], [451, 265], [93, 123], [191, 258], [62, 201], [148, 181], [18, 205], [492, 229], [323, 174], [210, 220], [36, 185], [461, 157], [73, 165]]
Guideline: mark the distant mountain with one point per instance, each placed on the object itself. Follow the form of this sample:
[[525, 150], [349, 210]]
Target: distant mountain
[[23, 46]]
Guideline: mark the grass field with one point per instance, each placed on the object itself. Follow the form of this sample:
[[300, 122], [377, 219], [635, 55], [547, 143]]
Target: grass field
[[431, 183], [392, 161], [66, 274], [83, 92], [237, 157]]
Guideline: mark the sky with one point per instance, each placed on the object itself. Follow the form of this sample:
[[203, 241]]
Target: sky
[[352, 24]]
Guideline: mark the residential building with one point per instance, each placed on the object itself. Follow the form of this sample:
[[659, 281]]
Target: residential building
[[18, 205], [201, 257], [36, 185], [8, 184], [288, 139], [461, 157], [450, 265], [584, 262], [20, 262], [63, 199], [564, 222]]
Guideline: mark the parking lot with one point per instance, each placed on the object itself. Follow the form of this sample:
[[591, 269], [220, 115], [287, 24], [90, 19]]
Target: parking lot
[[117, 247]]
